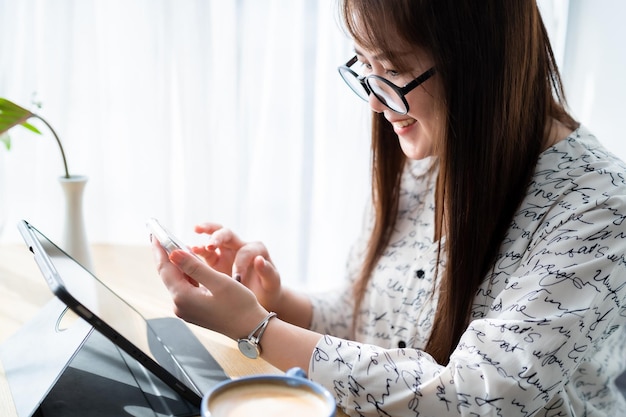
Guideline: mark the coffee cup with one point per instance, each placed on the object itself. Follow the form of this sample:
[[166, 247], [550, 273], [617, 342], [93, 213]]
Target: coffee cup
[[290, 394]]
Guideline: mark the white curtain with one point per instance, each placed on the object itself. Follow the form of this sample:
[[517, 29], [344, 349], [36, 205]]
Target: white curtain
[[223, 110], [588, 38], [190, 110]]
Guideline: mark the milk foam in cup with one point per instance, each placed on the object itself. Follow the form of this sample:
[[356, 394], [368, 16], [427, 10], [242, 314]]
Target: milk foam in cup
[[291, 394]]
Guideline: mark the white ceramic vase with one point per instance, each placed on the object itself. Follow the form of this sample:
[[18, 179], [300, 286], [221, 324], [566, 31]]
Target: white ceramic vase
[[74, 236]]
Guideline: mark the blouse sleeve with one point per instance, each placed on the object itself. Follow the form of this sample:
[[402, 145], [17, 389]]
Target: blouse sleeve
[[563, 308]]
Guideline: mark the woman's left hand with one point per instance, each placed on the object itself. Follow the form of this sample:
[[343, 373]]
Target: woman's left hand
[[206, 297]]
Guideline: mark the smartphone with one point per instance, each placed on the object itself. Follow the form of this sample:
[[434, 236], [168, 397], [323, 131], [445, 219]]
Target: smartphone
[[168, 241]]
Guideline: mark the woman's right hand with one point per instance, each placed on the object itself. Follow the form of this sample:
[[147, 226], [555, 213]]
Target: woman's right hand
[[247, 262]]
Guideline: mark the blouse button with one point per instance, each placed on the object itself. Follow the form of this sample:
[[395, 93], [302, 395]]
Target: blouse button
[[401, 344], [420, 273]]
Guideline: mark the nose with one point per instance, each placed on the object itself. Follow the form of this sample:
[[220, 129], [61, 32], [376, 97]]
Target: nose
[[375, 104]]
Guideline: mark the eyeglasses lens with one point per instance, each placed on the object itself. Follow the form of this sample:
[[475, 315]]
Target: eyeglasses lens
[[386, 94], [384, 91], [354, 83]]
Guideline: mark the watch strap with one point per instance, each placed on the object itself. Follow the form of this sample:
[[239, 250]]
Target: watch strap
[[249, 346]]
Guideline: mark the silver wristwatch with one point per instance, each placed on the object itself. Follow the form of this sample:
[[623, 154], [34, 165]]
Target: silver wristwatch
[[249, 346]]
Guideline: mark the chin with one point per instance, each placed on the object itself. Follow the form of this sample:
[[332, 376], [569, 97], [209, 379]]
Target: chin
[[415, 151]]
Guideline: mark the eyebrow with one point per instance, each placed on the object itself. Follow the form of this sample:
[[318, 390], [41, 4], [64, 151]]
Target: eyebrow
[[382, 56], [377, 57]]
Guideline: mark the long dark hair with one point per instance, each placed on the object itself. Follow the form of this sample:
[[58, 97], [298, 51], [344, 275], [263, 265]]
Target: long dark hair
[[501, 89]]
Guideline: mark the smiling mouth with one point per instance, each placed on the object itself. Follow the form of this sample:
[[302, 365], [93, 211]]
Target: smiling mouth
[[403, 123]]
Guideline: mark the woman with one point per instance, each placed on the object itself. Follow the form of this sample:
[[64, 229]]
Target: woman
[[490, 277]]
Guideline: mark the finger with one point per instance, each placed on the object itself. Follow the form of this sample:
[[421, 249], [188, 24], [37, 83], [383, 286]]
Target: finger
[[245, 256], [207, 228], [224, 238], [171, 275], [162, 260], [270, 279], [210, 256], [197, 270]]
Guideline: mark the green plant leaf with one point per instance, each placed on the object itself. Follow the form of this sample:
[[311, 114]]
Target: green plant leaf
[[31, 128], [12, 115]]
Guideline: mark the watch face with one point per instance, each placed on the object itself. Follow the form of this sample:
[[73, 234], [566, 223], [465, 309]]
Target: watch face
[[248, 348]]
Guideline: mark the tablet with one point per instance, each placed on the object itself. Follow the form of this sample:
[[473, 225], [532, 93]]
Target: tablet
[[109, 314]]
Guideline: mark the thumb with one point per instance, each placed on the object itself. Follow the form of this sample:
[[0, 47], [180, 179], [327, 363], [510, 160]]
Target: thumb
[[191, 266], [270, 278]]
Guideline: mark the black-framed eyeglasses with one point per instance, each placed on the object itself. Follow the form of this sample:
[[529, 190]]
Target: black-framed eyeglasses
[[384, 90]]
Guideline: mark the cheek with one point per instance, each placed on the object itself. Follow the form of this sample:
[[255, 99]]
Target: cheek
[[423, 107], [421, 104], [420, 143], [427, 120]]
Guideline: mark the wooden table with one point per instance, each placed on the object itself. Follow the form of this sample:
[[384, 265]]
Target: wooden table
[[129, 271]]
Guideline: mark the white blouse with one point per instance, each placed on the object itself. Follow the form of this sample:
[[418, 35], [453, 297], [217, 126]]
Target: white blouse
[[547, 336]]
